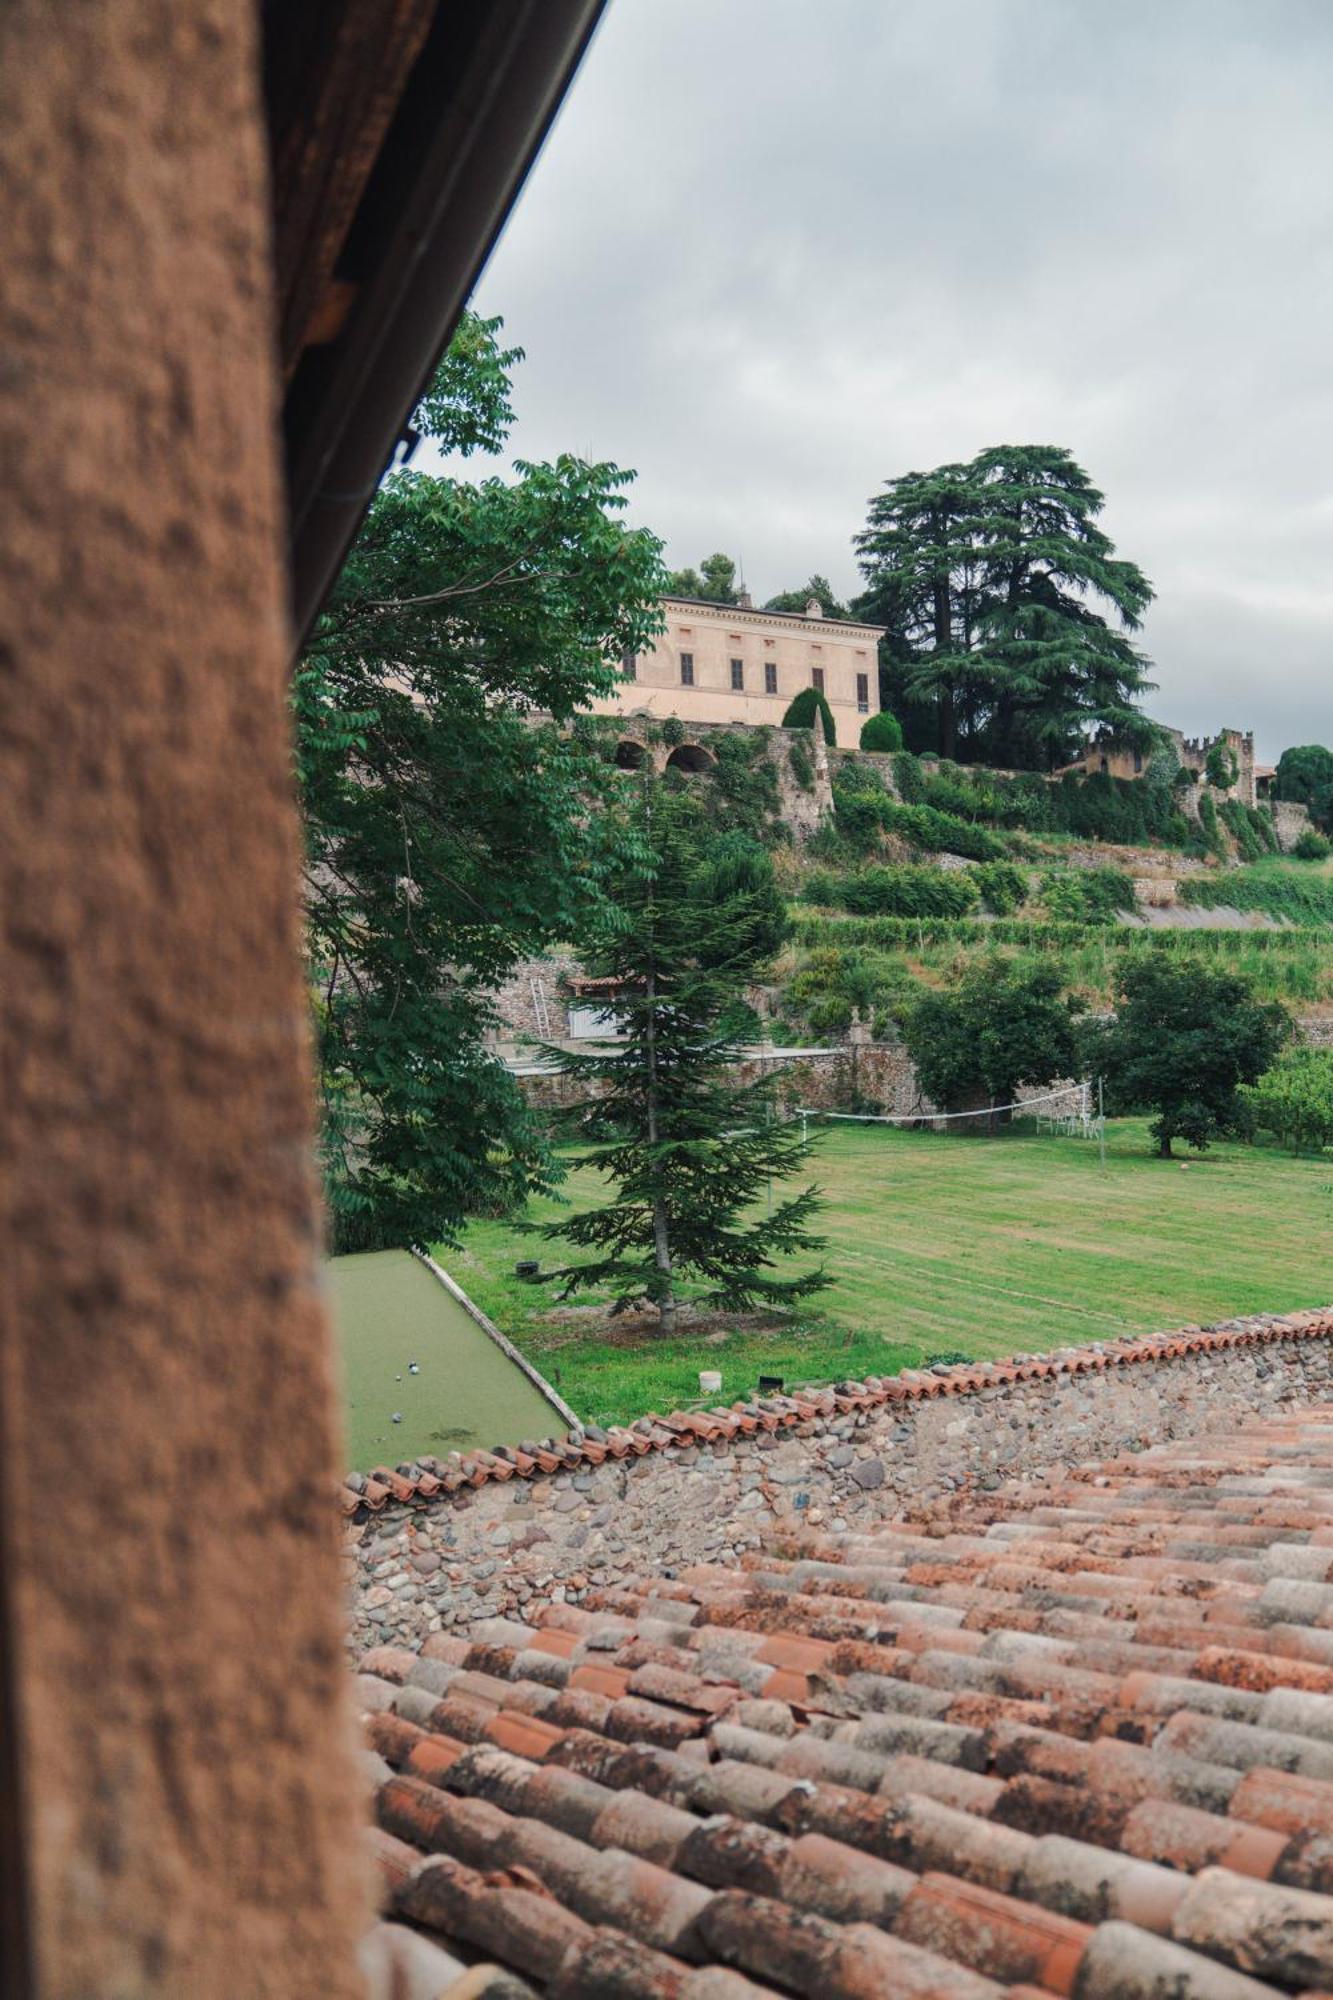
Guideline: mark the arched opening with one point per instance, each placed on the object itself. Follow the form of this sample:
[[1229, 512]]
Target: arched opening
[[629, 754], [689, 757]]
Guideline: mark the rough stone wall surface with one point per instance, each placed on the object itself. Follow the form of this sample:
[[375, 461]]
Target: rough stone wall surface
[[1290, 820], [188, 1797], [536, 978], [500, 1548], [802, 810]]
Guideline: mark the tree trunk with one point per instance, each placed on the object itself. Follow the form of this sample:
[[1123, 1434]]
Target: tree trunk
[[944, 646], [1164, 1147], [666, 1300], [947, 725]]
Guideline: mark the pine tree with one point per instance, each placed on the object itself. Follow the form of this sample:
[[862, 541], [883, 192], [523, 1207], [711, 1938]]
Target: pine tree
[[687, 1148]]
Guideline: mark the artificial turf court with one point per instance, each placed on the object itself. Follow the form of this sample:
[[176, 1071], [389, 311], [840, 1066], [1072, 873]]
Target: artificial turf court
[[959, 1245], [418, 1373]]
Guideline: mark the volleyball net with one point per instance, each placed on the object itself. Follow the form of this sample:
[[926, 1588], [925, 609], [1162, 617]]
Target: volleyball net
[[1071, 1112]]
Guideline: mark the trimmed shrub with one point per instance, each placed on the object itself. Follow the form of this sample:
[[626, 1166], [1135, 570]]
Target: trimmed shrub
[[808, 706], [882, 732], [1312, 846]]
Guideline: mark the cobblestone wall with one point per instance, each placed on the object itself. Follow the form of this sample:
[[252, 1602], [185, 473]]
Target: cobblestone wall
[[503, 1546]]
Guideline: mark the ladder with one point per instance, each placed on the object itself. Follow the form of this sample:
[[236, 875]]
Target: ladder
[[539, 1008]]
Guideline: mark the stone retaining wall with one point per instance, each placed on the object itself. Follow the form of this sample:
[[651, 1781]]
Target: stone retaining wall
[[497, 1547]]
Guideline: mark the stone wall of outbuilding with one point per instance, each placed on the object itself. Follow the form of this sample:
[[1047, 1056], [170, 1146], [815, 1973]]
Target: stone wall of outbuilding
[[706, 1490]]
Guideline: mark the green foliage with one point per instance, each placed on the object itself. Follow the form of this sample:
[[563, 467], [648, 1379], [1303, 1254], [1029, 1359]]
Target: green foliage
[[1003, 887], [1220, 767], [1294, 1099], [802, 764], [1212, 829], [1182, 1043], [808, 707], [714, 581], [795, 601], [1252, 830], [1291, 965], [985, 576], [1087, 895], [1123, 811], [1305, 776], [673, 731], [864, 810], [1003, 1025], [693, 921], [447, 834], [1312, 845], [910, 777], [832, 986], [1281, 892], [882, 732], [896, 892], [740, 792]]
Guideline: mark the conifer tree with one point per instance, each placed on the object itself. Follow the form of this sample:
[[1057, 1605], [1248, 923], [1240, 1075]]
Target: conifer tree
[[689, 1150], [987, 577]]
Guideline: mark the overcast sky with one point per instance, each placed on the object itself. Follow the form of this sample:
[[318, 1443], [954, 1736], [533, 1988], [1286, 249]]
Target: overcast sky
[[777, 251]]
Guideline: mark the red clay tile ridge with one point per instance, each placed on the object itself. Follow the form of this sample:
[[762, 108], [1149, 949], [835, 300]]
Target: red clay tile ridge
[[425, 1479]]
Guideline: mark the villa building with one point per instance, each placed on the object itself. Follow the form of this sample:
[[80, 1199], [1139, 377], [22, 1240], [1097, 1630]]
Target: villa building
[[718, 663]]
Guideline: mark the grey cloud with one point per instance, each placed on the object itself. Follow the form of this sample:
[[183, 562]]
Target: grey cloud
[[777, 251]]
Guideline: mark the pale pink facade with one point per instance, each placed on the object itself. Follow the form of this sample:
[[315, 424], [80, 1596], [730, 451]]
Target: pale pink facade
[[729, 663]]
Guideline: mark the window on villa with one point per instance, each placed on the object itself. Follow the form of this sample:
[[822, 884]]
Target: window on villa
[[1105, 767], [1138, 762], [863, 694], [687, 670], [817, 678], [629, 667], [770, 676], [738, 674]]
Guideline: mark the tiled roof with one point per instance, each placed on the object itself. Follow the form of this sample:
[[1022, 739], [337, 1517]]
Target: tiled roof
[[1070, 1738], [428, 1478]]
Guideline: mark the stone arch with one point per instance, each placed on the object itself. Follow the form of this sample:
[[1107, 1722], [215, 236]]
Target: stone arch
[[690, 758], [631, 755]]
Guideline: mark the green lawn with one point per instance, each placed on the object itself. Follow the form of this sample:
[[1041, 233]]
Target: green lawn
[[943, 1245]]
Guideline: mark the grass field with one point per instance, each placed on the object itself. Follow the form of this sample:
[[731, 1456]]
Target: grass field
[[950, 1245]]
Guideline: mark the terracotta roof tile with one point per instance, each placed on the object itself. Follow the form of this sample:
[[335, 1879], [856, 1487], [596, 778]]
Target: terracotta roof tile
[[430, 1479], [1071, 1738]]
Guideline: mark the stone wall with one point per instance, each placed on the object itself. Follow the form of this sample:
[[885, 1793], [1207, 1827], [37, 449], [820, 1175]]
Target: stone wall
[[836, 1461], [1290, 821]]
